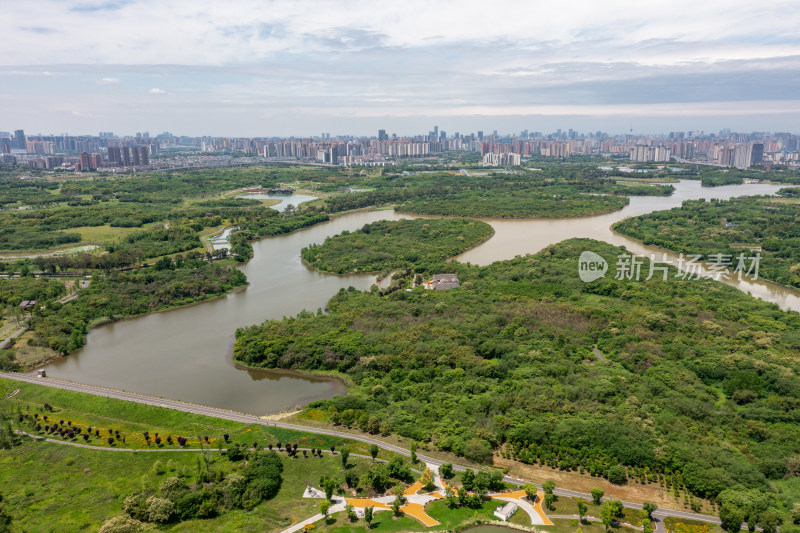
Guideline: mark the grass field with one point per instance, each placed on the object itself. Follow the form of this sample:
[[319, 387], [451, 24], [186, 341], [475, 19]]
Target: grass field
[[133, 419], [29, 356], [50, 487], [103, 234]]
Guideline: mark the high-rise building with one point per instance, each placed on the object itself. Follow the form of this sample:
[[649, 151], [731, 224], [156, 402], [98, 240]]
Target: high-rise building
[[756, 153], [382, 135], [85, 161], [126, 156], [145, 155], [114, 156], [6, 148], [19, 137], [97, 161], [135, 153]]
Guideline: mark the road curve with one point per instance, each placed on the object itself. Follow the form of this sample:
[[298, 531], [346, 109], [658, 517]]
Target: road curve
[[186, 407]]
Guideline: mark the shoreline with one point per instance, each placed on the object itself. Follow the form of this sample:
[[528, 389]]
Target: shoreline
[[745, 277], [28, 370]]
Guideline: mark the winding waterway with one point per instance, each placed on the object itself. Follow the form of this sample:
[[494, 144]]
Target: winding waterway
[[185, 353]]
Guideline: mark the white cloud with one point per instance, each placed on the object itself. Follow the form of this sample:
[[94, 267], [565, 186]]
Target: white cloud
[[205, 32], [410, 58]]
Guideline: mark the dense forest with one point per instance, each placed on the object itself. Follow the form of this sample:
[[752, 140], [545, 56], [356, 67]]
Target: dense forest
[[729, 228], [695, 380], [388, 245], [501, 203], [571, 190]]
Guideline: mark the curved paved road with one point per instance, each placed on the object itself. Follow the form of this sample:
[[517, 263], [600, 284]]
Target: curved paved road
[[659, 515]]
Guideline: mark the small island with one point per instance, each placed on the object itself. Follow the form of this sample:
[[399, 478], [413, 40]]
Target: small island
[[388, 245]]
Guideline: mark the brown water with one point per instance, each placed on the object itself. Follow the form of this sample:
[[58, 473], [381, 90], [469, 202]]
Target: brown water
[[185, 353]]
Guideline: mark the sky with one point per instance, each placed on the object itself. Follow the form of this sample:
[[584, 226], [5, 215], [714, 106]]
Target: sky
[[303, 67]]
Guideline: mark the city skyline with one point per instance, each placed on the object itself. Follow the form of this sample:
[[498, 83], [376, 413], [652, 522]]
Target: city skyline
[[287, 69]]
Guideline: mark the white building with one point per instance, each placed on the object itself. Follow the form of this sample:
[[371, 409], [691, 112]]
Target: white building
[[497, 160], [505, 512]]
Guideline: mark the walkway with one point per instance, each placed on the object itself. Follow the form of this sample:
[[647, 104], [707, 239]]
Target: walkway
[[415, 503], [535, 511], [251, 419], [13, 336]]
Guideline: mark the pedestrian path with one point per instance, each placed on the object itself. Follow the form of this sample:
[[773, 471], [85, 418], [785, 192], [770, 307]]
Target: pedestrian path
[[535, 511], [415, 503]]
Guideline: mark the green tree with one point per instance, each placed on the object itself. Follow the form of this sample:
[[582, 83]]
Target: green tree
[[531, 491], [329, 485], [597, 495], [468, 479], [617, 475], [548, 501], [350, 512], [478, 450], [351, 479], [769, 520], [373, 451], [583, 508], [610, 511], [345, 454], [397, 504], [796, 513], [446, 470], [450, 498], [746, 505], [548, 487], [368, 513], [324, 507], [647, 526], [649, 508], [413, 453], [377, 477]]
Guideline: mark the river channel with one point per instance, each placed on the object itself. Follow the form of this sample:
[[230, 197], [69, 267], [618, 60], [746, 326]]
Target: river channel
[[186, 353]]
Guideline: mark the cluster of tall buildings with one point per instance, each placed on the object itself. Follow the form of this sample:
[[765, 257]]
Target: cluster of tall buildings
[[736, 155], [108, 151], [641, 153]]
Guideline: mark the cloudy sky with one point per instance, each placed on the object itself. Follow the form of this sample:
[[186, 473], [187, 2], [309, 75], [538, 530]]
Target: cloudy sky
[[302, 67]]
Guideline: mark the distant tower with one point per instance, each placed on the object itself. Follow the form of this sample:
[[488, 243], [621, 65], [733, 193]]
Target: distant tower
[[86, 161], [19, 137]]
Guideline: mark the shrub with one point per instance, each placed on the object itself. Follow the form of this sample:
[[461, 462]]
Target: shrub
[[160, 510], [232, 490], [135, 506], [121, 524], [173, 488]]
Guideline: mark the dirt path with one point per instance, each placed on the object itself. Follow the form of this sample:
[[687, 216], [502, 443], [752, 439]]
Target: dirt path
[[13, 336]]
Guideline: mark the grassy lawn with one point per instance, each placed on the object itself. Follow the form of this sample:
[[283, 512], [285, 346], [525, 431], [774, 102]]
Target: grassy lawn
[[133, 419], [103, 233], [570, 526], [50, 487]]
